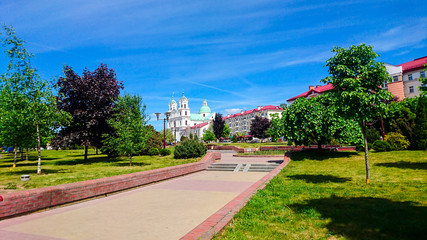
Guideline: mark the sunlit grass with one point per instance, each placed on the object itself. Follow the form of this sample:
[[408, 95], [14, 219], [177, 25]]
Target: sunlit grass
[[324, 196], [67, 166]]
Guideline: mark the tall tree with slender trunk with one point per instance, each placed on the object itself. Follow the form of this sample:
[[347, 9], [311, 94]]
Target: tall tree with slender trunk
[[357, 78]]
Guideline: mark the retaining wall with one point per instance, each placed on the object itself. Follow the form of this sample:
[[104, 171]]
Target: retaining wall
[[22, 202]]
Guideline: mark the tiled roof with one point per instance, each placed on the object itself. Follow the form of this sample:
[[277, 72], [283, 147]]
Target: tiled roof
[[200, 125], [268, 107], [320, 89], [413, 65]]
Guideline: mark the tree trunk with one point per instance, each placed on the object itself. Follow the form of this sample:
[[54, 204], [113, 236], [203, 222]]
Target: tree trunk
[[130, 159], [39, 159], [368, 175], [21, 152], [26, 157], [15, 150], [319, 145], [96, 151], [86, 148]]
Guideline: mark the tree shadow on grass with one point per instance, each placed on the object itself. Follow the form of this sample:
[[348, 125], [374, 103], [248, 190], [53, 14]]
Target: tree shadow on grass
[[319, 178], [92, 160], [405, 165], [44, 171], [126, 164], [320, 155], [370, 218]]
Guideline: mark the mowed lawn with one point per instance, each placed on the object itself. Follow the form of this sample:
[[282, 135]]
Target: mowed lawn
[[67, 166], [324, 196]]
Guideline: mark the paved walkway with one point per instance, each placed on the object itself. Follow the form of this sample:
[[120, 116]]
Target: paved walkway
[[165, 210]]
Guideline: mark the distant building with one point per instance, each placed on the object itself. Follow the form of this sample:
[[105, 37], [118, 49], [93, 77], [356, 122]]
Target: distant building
[[241, 122], [181, 119], [404, 83], [312, 92], [405, 78]]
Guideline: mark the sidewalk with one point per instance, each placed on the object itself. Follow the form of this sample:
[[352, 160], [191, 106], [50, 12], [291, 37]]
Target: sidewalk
[[165, 210]]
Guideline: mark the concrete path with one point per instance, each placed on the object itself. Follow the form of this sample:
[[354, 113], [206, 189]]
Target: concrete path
[[165, 210]]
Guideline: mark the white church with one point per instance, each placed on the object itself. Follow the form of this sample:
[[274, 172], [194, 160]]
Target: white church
[[182, 122]]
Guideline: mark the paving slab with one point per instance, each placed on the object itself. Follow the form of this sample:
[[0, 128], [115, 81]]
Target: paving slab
[[165, 210]]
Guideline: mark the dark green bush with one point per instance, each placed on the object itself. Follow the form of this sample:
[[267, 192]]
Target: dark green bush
[[397, 141], [381, 146], [189, 149], [165, 152], [372, 135], [153, 151]]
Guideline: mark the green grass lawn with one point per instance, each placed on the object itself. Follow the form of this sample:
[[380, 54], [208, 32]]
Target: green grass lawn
[[324, 196], [67, 166]]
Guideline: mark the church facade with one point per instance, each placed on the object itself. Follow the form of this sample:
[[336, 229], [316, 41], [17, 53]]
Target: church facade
[[181, 120]]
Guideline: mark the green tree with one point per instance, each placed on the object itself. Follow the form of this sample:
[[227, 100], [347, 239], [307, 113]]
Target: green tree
[[226, 131], [423, 80], [218, 125], [259, 127], [420, 136], [357, 77], [27, 104], [208, 136], [169, 135], [315, 121], [129, 122], [276, 130]]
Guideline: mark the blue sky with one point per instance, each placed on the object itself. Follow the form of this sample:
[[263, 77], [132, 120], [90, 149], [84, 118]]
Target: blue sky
[[236, 54]]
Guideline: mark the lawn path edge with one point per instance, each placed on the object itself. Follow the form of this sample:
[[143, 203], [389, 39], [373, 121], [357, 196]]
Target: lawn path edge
[[217, 221]]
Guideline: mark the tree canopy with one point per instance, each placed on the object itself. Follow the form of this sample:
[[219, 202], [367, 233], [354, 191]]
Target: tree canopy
[[218, 125], [357, 78], [259, 127], [90, 100]]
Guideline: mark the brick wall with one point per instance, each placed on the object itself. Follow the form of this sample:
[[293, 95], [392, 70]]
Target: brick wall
[[27, 201]]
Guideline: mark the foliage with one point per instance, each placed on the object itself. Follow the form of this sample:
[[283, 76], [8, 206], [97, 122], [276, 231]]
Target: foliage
[[169, 135], [357, 78], [164, 152], [420, 136], [218, 126], [153, 151], [234, 138], [315, 120], [190, 149], [130, 134], [90, 99], [226, 131], [208, 136], [423, 87], [259, 127], [27, 104], [397, 141], [319, 196], [277, 129], [183, 138], [372, 135], [381, 146], [154, 141]]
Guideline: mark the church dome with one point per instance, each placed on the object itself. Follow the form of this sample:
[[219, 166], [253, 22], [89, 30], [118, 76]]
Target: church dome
[[205, 108]]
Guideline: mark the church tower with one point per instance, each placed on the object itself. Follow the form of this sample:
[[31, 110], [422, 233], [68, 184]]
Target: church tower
[[184, 111]]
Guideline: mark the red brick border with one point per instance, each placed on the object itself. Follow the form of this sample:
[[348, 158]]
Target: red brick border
[[215, 223], [23, 202]]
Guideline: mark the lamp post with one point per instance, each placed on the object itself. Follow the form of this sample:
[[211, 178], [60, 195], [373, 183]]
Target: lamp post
[[164, 125]]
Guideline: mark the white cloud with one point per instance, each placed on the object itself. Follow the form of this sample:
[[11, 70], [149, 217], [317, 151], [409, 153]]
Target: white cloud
[[232, 110]]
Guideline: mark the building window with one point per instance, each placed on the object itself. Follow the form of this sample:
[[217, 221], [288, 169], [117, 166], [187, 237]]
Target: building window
[[185, 122], [185, 105], [395, 78], [185, 113], [423, 74], [411, 89], [385, 85], [203, 115], [409, 77]]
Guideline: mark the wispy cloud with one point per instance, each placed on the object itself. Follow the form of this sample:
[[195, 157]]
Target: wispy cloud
[[232, 110]]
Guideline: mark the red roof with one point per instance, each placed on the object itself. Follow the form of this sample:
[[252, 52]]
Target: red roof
[[320, 89], [268, 107], [413, 65], [200, 125]]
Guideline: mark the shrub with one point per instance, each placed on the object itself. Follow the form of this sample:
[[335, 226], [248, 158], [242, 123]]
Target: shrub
[[381, 146], [190, 149], [165, 152], [153, 151], [334, 142], [397, 141], [372, 135]]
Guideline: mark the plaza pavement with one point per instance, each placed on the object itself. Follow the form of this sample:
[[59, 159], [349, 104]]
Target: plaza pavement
[[164, 210]]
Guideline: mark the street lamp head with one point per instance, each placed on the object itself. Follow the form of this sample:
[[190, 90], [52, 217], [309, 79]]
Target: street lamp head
[[167, 114], [157, 115]]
